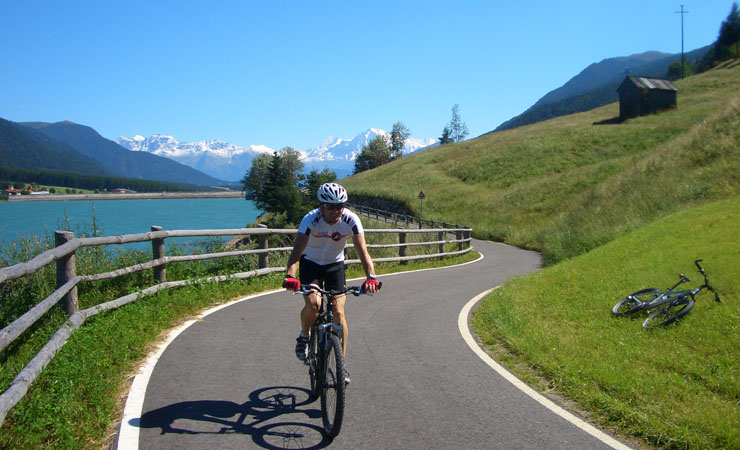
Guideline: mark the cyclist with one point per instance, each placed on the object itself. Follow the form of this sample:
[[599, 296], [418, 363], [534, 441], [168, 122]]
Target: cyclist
[[318, 254]]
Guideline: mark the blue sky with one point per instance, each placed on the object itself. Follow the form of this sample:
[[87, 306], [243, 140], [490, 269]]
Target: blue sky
[[292, 73]]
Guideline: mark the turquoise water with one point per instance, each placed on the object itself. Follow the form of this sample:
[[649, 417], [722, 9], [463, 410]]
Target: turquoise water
[[117, 217]]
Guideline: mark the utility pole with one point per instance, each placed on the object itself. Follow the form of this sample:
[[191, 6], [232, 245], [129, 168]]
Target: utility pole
[[683, 62]]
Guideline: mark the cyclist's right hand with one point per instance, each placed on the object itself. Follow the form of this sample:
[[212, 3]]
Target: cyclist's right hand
[[291, 283]]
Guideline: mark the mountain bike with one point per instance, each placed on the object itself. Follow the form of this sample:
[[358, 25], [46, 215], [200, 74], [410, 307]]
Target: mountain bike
[[325, 360], [664, 306]]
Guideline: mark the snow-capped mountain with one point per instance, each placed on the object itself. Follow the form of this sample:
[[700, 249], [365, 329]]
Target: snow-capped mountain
[[230, 162], [339, 154], [216, 158]]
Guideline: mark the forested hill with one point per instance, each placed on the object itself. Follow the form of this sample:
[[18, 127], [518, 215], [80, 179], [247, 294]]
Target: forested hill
[[24, 148], [597, 85]]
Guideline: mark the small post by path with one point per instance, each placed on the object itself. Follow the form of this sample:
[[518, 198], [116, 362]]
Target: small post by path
[[160, 272], [66, 268]]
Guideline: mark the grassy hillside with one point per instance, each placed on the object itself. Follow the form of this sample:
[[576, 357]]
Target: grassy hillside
[[675, 387], [568, 185]]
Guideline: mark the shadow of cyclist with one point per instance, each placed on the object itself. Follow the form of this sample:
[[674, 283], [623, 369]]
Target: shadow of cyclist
[[250, 418]]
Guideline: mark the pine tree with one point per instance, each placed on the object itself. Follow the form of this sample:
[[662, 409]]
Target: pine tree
[[458, 129], [729, 33], [445, 139]]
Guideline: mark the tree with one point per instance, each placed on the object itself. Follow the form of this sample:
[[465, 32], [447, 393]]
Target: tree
[[311, 185], [374, 154], [675, 72], [458, 129], [292, 160], [254, 180], [273, 183], [445, 139], [316, 179], [399, 134], [729, 33], [280, 194]]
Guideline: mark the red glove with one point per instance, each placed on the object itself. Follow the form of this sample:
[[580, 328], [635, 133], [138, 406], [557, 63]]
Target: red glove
[[371, 281], [291, 283]]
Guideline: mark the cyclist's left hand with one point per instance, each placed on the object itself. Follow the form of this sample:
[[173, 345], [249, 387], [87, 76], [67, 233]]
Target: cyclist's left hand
[[371, 285]]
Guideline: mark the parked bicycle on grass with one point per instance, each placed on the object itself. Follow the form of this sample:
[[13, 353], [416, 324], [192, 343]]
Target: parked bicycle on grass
[[671, 304]]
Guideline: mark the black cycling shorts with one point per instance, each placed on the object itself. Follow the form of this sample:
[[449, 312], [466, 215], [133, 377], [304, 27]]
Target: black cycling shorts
[[329, 276]]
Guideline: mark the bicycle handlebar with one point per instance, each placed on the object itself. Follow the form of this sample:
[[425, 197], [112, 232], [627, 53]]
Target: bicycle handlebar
[[698, 266], [354, 290]]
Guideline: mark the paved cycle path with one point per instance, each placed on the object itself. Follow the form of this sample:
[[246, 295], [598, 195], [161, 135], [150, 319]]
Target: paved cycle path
[[231, 380]]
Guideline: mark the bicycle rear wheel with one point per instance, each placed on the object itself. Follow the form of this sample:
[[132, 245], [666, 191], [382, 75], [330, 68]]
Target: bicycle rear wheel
[[313, 364], [669, 313], [635, 301], [332, 397]]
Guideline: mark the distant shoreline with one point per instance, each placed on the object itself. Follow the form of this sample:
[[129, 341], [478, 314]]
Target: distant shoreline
[[141, 196]]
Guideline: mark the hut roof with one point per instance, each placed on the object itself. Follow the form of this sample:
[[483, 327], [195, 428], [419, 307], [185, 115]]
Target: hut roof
[[660, 84]]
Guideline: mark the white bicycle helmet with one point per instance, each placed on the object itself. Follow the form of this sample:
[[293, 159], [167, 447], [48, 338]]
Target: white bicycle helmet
[[332, 193]]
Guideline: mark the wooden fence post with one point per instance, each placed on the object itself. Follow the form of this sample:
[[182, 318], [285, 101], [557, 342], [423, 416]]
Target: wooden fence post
[[66, 268], [263, 244], [402, 248], [441, 237], [458, 236], [466, 234], [160, 272]]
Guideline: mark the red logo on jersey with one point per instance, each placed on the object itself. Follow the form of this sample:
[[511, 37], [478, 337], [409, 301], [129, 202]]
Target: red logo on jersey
[[336, 236]]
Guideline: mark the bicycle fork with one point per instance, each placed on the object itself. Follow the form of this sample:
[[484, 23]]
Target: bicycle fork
[[325, 329]]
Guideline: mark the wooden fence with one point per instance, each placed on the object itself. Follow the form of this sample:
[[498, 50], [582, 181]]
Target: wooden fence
[[67, 279], [403, 219]]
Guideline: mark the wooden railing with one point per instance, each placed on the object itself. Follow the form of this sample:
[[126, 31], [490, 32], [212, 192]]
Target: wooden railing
[[402, 219], [67, 279]]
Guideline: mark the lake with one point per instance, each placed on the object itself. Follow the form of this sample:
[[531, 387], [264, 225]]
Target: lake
[[117, 217]]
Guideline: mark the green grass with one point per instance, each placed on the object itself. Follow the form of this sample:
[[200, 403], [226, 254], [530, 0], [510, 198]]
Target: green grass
[[568, 185], [674, 387]]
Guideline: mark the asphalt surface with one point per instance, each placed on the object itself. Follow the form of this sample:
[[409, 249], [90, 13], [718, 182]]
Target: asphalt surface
[[232, 380]]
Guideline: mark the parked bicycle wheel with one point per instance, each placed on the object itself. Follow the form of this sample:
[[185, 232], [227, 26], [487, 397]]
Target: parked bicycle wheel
[[635, 301], [313, 364], [332, 398], [669, 313]]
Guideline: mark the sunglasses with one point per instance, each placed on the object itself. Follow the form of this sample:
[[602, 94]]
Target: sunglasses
[[333, 207]]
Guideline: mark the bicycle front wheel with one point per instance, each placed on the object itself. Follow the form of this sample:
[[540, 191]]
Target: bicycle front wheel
[[669, 313], [635, 301], [332, 397]]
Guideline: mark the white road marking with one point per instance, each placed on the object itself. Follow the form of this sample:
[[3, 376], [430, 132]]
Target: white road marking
[[462, 323]]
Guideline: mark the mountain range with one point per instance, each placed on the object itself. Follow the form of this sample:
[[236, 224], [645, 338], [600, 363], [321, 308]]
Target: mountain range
[[231, 162]]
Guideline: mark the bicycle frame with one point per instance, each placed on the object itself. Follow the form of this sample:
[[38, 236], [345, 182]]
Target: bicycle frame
[[671, 294], [326, 312], [671, 303]]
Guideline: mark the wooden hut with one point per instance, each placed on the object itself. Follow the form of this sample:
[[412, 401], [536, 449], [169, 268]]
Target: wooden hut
[[642, 95]]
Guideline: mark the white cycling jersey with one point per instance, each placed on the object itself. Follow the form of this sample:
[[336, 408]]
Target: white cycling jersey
[[325, 241]]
